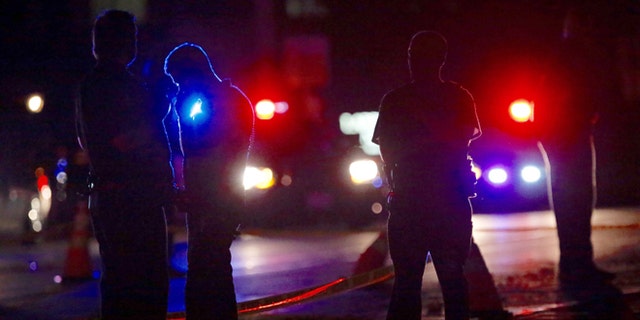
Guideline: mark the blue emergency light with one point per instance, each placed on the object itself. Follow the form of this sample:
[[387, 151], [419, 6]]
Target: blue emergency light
[[196, 109]]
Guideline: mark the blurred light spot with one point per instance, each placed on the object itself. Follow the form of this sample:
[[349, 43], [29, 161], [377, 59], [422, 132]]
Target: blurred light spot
[[45, 201], [13, 195], [362, 171], [96, 274], [61, 177], [41, 178], [376, 207], [377, 182], [46, 192], [36, 226], [35, 103], [35, 204], [196, 109], [286, 180], [57, 279], [265, 109], [362, 124], [521, 110], [62, 163], [61, 195], [530, 174], [33, 214], [497, 176], [281, 107], [260, 178], [33, 265]]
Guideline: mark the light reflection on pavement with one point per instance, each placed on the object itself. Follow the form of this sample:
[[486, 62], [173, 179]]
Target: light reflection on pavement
[[515, 246]]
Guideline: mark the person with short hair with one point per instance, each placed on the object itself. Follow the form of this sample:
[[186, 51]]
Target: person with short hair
[[424, 130], [209, 156], [130, 175]]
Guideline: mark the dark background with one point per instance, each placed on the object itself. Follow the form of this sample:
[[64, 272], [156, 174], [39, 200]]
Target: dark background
[[46, 47]]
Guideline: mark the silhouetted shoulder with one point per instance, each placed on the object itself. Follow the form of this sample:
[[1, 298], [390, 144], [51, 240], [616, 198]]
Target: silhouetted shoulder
[[457, 87], [396, 96]]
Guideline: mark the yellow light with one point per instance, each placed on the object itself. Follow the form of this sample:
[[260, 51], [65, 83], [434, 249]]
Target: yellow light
[[476, 170], [259, 178], [265, 109], [521, 110], [35, 103], [363, 171]]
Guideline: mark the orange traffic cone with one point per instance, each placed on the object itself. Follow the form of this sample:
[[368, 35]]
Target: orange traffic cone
[[78, 263], [375, 256]]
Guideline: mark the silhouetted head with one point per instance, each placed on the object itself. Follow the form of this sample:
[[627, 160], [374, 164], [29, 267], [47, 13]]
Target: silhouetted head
[[188, 63], [427, 54], [115, 37]]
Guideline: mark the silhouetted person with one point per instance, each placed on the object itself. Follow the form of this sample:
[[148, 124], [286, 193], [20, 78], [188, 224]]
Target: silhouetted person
[[130, 174], [216, 126], [565, 122], [484, 299], [424, 130]]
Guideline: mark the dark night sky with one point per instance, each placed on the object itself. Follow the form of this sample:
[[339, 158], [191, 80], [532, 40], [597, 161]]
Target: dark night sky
[[45, 45]]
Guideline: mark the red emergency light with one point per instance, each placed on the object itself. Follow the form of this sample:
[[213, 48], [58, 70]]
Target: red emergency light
[[521, 110]]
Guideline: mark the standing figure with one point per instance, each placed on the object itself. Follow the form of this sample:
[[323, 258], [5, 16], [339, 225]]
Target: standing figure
[[215, 122], [424, 130], [576, 89], [130, 175]]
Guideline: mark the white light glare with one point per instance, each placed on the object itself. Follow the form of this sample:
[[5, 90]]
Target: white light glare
[[363, 171], [35, 103], [362, 124], [196, 109], [530, 174], [497, 176], [265, 109], [260, 178]]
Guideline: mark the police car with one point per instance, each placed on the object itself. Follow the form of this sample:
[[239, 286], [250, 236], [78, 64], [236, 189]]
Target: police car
[[510, 169]]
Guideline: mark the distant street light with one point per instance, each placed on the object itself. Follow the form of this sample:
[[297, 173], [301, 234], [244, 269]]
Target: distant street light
[[35, 103]]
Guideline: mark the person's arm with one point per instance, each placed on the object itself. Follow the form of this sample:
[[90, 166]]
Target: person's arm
[[380, 137], [246, 116], [472, 121]]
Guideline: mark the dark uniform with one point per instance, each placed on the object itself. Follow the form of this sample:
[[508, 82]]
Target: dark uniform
[[424, 131], [575, 89], [131, 175], [216, 124]]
